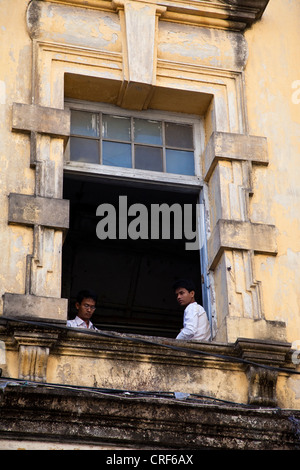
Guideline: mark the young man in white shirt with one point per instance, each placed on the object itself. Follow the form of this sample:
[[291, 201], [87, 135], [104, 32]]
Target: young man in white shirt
[[85, 305], [195, 322]]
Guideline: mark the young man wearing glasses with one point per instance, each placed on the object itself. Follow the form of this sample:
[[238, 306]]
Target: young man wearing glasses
[[85, 305]]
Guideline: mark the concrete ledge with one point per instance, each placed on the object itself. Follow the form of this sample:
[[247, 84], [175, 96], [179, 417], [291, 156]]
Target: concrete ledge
[[34, 307], [227, 146], [35, 210], [240, 235]]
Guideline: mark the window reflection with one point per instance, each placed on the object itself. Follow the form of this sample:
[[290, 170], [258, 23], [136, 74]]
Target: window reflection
[[132, 142]]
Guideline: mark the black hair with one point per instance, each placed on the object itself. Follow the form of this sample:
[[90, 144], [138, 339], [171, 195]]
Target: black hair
[[185, 283], [86, 294]]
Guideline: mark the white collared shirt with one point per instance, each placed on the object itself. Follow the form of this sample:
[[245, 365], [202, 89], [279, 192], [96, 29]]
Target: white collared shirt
[[195, 324], [79, 323]]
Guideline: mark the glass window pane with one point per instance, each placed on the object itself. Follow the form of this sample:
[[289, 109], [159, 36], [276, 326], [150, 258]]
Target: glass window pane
[[148, 158], [180, 162], [116, 127], [116, 154], [84, 150], [179, 135], [147, 132], [84, 123]]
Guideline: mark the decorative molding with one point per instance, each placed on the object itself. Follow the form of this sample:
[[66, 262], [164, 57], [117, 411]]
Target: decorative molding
[[33, 363], [234, 235], [234, 15], [139, 21], [138, 78]]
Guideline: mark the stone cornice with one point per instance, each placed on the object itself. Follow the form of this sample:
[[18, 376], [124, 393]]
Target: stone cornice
[[225, 14]]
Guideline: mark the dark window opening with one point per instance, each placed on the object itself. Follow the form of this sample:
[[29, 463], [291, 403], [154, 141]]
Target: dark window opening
[[133, 278]]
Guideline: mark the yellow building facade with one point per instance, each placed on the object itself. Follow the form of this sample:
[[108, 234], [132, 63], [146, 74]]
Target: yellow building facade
[[229, 71]]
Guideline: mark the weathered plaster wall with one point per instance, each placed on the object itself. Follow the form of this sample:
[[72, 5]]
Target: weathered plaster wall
[[15, 172], [273, 66], [208, 46]]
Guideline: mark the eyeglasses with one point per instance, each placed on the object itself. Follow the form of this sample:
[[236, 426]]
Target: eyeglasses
[[89, 306]]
